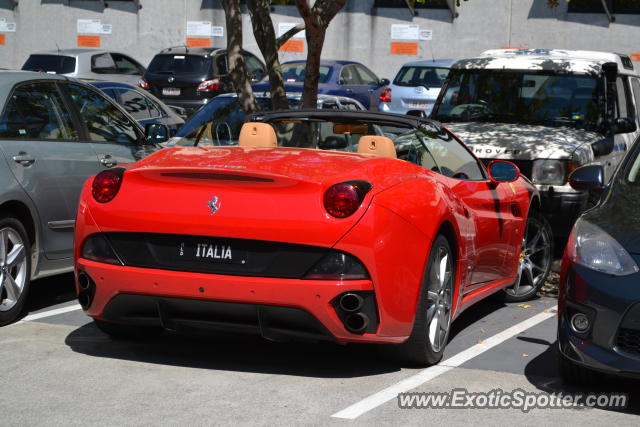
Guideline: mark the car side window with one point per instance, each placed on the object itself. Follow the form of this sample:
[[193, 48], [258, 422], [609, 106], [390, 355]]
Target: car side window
[[254, 66], [103, 63], [348, 76], [366, 76], [625, 106], [453, 160], [137, 105], [37, 111], [126, 65], [635, 85], [105, 123]]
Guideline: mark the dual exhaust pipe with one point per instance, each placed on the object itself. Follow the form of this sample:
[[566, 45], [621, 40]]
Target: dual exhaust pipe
[[355, 321], [87, 290]]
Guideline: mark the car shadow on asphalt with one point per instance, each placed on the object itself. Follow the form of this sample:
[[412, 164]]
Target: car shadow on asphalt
[[50, 291], [243, 353], [249, 353], [543, 372]]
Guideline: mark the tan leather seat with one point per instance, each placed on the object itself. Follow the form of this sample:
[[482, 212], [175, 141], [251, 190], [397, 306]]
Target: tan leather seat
[[380, 146], [256, 134]]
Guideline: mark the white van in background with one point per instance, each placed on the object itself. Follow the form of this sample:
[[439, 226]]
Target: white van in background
[[549, 112]]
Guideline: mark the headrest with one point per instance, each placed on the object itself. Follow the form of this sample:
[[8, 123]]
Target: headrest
[[380, 146], [256, 134]]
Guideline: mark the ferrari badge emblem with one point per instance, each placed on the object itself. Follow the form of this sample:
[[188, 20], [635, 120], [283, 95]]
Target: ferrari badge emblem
[[214, 205]]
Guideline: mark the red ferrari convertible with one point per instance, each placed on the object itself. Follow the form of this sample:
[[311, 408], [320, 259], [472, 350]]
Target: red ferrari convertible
[[346, 226]]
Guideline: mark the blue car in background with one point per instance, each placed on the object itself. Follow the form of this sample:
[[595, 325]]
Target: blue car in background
[[341, 78], [416, 87], [143, 106]]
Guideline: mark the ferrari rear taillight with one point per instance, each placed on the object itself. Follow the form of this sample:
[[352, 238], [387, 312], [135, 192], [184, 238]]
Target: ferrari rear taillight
[[338, 266], [106, 185], [209, 85], [343, 199], [385, 95], [143, 83]]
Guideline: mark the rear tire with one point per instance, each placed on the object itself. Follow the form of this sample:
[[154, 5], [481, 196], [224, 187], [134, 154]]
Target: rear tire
[[15, 269], [121, 331], [536, 256], [430, 333]]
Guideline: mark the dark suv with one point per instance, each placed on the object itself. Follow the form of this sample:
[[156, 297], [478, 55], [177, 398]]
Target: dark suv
[[189, 77]]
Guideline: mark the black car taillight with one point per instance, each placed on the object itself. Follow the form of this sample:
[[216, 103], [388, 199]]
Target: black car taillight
[[97, 248], [106, 184], [143, 83], [338, 266], [209, 85], [343, 199]]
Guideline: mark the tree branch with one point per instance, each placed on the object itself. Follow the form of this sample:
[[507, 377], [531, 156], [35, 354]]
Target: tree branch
[[286, 36]]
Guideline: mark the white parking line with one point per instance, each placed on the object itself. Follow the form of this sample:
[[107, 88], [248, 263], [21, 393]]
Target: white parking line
[[49, 313], [383, 396]]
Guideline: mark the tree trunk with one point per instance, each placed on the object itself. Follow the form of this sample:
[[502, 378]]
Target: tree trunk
[[316, 19], [260, 12], [237, 69]]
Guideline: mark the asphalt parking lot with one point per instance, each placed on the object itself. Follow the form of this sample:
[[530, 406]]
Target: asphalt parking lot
[[60, 370]]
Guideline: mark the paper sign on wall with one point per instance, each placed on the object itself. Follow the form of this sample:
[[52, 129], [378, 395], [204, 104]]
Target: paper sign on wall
[[405, 32], [635, 56], [93, 26], [404, 48], [283, 27], [88, 41], [7, 27], [292, 46], [217, 31], [199, 28], [198, 42], [426, 34], [2, 39]]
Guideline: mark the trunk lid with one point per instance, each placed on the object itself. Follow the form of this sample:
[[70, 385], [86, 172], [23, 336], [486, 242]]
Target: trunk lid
[[244, 193]]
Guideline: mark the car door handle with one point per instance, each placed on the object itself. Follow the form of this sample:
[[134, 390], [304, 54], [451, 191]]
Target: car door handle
[[24, 159], [349, 90], [108, 161]]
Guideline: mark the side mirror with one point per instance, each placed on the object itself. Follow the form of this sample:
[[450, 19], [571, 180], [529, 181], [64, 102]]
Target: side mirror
[[503, 171], [384, 82], [603, 146], [624, 125], [333, 143], [588, 178], [156, 133]]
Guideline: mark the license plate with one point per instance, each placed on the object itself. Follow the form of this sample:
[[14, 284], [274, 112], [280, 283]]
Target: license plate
[[211, 252], [171, 91], [418, 105]]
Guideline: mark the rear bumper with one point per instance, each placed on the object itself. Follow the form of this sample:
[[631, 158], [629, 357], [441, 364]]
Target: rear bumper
[[178, 300]]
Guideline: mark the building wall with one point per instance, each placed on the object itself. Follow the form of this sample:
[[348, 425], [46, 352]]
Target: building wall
[[360, 32]]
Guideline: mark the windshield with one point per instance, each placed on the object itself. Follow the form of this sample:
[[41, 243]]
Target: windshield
[[421, 76], [51, 63], [294, 73], [174, 64], [520, 97]]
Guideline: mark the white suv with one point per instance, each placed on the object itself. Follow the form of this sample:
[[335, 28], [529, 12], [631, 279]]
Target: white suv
[[549, 112]]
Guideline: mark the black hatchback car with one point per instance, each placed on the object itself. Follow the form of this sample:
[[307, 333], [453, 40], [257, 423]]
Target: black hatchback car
[[189, 77], [599, 298]]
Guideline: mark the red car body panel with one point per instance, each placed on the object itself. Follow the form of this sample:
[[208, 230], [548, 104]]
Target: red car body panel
[[276, 195]]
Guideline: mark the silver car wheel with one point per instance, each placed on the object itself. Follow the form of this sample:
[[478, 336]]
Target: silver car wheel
[[439, 297], [13, 268], [534, 260]]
